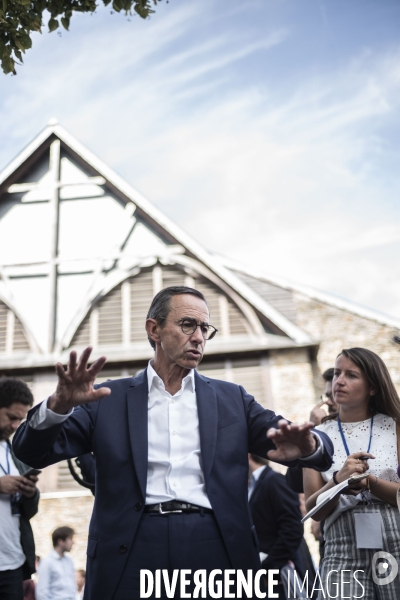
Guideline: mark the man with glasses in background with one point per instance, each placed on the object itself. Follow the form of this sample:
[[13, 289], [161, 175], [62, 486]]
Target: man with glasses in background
[[171, 455]]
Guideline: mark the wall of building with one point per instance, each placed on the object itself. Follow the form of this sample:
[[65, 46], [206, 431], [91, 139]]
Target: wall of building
[[292, 383], [73, 509], [337, 329]]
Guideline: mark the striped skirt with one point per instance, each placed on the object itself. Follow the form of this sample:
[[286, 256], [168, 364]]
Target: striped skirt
[[349, 572]]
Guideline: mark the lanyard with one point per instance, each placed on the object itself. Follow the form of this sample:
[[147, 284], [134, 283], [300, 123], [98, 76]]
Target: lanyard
[[344, 439], [8, 462]]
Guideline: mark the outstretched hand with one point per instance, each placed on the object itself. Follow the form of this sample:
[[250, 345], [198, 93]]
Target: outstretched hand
[[292, 441], [75, 384]]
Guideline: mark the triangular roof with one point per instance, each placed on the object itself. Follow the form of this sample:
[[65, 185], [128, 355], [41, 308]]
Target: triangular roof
[[77, 166]]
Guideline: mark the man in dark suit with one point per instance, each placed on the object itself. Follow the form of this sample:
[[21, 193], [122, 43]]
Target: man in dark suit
[[171, 454], [276, 517]]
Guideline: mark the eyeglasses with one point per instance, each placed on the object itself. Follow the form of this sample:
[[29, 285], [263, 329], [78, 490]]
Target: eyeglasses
[[189, 326]]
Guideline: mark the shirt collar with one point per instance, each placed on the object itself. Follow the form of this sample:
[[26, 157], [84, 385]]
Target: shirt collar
[[257, 473], [55, 554], [152, 376]]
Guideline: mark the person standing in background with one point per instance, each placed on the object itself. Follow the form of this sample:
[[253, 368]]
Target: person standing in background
[[276, 516], [318, 413], [80, 582], [56, 576], [29, 589]]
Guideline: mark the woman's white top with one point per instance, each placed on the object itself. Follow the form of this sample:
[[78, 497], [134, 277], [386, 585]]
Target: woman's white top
[[383, 447]]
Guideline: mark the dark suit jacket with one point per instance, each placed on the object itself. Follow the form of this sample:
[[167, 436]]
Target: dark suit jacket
[[231, 424], [277, 519], [28, 508]]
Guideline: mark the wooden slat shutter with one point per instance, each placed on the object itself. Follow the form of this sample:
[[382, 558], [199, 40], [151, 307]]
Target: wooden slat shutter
[[3, 326], [249, 375], [172, 276], [110, 318], [20, 343], [11, 329], [237, 322], [65, 481], [82, 335], [211, 294], [141, 297], [215, 370]]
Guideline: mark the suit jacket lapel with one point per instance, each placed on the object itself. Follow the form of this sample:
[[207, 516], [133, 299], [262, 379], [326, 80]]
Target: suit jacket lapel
[[138, 396], [208, 420]]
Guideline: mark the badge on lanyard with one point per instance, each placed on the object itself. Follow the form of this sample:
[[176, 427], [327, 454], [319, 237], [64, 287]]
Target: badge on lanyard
[[14, 498], [368, 530]]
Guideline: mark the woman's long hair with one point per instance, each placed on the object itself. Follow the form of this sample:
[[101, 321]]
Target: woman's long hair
[[386, 399]]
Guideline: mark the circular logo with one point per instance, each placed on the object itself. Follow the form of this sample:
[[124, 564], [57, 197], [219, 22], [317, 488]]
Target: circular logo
[[384, 568]]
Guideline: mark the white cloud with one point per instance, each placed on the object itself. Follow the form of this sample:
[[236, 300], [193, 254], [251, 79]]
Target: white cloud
[[294, 179]]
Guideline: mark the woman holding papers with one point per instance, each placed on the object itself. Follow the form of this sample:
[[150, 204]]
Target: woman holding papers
[[362, 520]]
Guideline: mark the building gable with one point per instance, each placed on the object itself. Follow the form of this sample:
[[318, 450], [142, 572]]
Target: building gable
[[78, 244]]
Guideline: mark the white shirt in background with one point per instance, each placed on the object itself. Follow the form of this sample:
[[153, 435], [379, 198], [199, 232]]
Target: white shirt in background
[[56, 578], [79, 595], [11, 554]]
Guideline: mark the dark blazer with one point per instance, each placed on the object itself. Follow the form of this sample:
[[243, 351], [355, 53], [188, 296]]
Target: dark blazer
[[28, 508], [294, 479], [231, 424], [277, 519]]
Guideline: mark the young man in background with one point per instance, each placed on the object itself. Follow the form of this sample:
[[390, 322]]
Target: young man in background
[[56, 576]]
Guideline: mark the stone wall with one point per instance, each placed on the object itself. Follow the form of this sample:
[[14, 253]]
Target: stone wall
[[65, 508], [336, 329], [295, 375], [292, 383]]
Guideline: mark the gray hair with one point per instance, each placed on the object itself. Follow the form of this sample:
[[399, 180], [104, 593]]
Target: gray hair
[[160, 306]]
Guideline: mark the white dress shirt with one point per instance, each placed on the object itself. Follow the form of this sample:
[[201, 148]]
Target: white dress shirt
[[56, 578], [255, 476], [174, 456]]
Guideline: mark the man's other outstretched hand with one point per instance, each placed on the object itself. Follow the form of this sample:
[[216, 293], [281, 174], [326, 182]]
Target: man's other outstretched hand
[[75, 384], [292, 441]]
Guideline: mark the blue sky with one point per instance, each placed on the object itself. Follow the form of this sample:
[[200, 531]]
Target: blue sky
[[268, 129]]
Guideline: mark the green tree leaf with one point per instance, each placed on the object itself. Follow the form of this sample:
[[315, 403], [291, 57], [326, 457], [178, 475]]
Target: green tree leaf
[[18, 18], [53, 24], [18, 54], [8, 65], [117, 5]]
